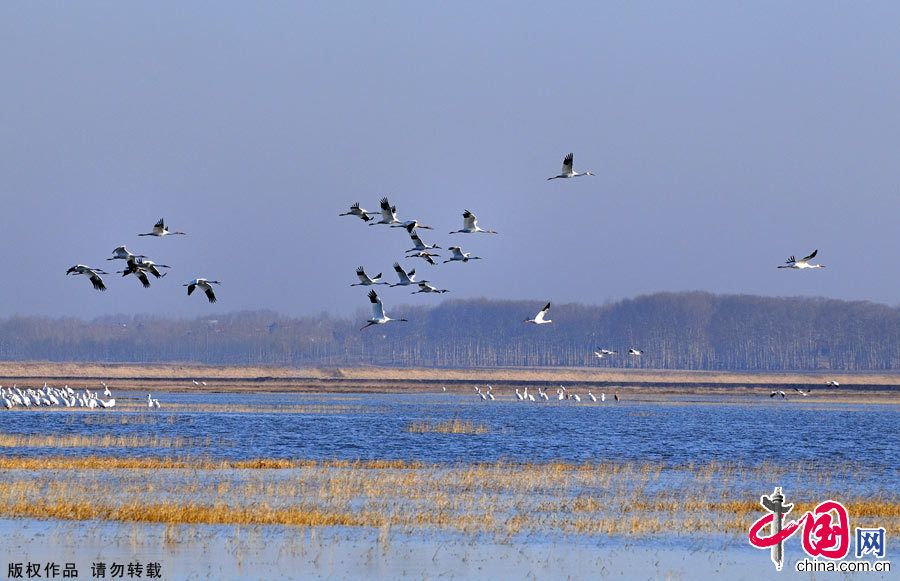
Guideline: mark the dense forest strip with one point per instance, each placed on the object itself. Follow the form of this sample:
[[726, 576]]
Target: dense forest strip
[[677, 331]]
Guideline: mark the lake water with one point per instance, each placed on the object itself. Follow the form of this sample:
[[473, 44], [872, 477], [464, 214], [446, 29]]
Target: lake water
[[693, 429], [374, 426]]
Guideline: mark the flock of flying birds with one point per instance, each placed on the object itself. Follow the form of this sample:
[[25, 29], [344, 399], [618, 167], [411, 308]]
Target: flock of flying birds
[[420, 249], [141, 266], [388, 217]]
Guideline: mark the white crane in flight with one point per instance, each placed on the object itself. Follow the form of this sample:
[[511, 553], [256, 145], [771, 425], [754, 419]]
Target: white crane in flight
[[355, 210], [406, 278], [540, 318], [568, 171], [802, 263], [457, 255], [205, 286], [470, 225], [160, 229], [92, 273], [378, 315], [365, 279]]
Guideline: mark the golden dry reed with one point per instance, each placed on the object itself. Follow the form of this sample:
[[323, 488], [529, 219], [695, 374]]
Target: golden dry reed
[[498, 498], [106, 441], [454, 426]]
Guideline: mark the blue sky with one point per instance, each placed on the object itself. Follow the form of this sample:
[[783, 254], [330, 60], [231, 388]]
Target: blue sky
[[725, 136]]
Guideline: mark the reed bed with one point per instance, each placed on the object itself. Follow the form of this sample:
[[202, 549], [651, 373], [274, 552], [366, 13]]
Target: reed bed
[[105, 441], [497, 498], [455, 426]]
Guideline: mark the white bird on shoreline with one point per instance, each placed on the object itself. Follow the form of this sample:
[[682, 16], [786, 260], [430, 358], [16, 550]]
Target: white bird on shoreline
[[378, 315], [568, 171], [802, 263], [540, 319], [160, 229], [470, 225]]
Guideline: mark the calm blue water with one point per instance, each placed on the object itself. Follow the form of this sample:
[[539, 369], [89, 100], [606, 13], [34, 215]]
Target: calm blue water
[[375, 427]]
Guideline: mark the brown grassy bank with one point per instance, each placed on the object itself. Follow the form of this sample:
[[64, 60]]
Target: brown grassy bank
[[181, 377]]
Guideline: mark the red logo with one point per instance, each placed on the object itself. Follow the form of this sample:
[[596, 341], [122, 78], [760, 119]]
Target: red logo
[[826, 529]]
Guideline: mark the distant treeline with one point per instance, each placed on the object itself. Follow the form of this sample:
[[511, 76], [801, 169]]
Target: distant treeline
[[691, 330]]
